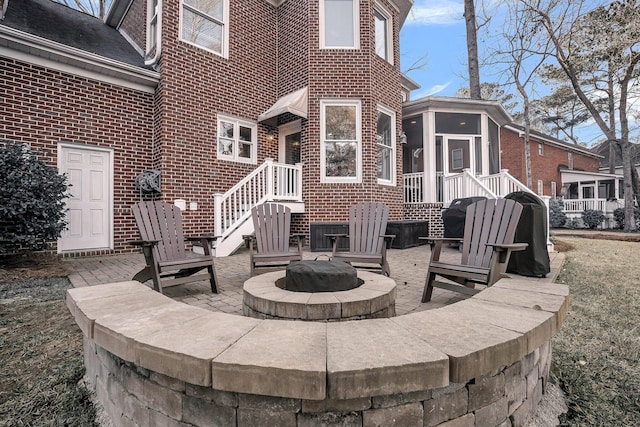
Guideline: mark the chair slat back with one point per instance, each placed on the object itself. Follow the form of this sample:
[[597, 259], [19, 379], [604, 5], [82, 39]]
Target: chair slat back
[[367, 224], [272, 224], [488, 221], [161, 221]]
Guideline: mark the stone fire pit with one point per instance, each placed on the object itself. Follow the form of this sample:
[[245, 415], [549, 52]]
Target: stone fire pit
[[374, 298]]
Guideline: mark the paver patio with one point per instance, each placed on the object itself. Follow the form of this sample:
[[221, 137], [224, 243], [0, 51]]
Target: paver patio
[[408, 269]]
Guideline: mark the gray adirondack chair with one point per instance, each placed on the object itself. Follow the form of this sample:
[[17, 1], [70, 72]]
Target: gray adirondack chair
[[163, 245], [368, 242], [490, 227], [272, 232]]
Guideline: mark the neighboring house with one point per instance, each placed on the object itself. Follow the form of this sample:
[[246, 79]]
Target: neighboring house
[[603, 149], [561, 169]]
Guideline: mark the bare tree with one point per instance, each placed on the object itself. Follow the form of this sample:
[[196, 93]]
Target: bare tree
[[97, 8], [472, 50], [601, 44]]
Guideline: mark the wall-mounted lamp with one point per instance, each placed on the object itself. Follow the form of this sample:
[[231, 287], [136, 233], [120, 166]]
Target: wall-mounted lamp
[[403, 138], [270, 136]]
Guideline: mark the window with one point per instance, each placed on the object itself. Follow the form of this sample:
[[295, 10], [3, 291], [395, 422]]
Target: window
[[152, 26], [540, 149], [204, 24], [384, 33], [237, 140], [554, 189], [340, 128], [540, 187], [339, 24], [570, 159], [457, 159], [385, 141]]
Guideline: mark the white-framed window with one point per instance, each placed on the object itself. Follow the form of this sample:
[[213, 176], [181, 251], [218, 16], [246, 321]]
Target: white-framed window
[[386, 144], [540, 149], [152, 26], [339, 24], [540, 187], [204, 23], [384, 33], [457, 159], [237, 140], [570, 159], [341, 139], [554, 189]]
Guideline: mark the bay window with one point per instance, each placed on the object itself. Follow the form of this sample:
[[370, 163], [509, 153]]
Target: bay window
[[385, 141], [339, 24]]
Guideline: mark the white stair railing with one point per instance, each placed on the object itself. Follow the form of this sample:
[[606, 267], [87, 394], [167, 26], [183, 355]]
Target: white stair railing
[[269, 182], [464, 184], [503, 183]]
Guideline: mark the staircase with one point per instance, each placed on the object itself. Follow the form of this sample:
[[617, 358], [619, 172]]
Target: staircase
[[270, 182]]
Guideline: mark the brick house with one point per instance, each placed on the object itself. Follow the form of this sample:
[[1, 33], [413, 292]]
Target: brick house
[[207, 97]]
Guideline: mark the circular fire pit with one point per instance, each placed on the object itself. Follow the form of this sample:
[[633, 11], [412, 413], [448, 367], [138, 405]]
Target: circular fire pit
[[374, 298], [319, 276]]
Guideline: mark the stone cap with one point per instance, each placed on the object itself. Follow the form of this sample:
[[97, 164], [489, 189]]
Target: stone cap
[[313, 360]]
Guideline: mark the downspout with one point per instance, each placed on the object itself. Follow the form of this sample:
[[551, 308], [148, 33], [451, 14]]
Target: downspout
[[156, 54], [5, 4]]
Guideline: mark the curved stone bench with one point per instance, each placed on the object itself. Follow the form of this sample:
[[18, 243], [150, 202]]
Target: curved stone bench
[[476, 361]]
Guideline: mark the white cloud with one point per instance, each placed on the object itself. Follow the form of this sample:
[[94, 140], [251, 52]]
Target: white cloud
[[433, 90], [437, 12]]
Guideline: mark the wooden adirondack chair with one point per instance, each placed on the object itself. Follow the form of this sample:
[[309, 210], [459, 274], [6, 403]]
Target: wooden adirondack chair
[[163, 245], [490, 226], [272, 225], [367, 242]]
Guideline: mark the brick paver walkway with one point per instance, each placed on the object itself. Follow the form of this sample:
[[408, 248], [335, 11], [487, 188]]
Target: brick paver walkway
[[408, 269]]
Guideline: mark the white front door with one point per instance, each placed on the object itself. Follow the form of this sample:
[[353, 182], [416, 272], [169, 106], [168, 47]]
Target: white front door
[[90, 173]]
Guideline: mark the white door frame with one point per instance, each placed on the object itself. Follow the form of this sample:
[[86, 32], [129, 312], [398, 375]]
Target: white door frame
[[446, 161], [110, 152], [283, 131]]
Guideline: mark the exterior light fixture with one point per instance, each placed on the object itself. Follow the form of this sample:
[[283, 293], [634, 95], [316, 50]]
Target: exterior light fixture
[[403, 138]]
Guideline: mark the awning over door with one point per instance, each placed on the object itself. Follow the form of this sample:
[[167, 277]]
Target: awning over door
[[294, 103]]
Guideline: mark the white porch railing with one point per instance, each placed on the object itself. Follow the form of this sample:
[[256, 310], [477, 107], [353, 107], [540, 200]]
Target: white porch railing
[[413, 188], [503, 183], [577, 206], [269, 182]]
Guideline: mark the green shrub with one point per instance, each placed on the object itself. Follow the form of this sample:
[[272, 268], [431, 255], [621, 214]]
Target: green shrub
[[557, 217], [618, 215], [32, 212], [592, 218]]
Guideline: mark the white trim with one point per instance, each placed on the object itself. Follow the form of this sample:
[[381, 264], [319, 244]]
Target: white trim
[[356, 27], [392, 114], [36, 50], [225, 31], [283, 131], [237, 122], [348, 103], [554, 189], [111, 153], [389, 31], [133, 44]]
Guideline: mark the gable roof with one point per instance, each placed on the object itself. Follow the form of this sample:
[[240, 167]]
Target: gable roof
[[548, 139], [61, 24], [603, 149]]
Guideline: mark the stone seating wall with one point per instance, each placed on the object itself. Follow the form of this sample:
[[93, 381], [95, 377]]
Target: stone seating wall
[[480, 362]]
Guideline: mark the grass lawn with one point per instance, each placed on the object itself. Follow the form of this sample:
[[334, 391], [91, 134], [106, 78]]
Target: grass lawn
[[596, 354]]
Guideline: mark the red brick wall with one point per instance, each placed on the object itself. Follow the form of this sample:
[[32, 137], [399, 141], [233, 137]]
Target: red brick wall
[[350, 74], [545, 167], [43, 107], [196, 86], [134, 23]]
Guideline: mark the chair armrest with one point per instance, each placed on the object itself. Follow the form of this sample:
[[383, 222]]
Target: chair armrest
[[441, 239], [300, 236], [333, 236], [511, 246], [143, 242], [388, 239], [206, 237]]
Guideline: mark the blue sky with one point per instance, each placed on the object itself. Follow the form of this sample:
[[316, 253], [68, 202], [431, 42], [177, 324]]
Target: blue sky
[[435, 28]]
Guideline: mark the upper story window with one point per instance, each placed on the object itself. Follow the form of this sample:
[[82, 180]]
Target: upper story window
[[385, 141], [237, 140], [540, 149], [570, 159], [341, 151], [384, 33], [339, 24], [152, 26], [204, 23]]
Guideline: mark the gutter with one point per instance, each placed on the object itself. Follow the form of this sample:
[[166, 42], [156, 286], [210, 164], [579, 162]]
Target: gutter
[[156, 54], [26, 47]]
